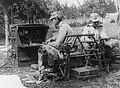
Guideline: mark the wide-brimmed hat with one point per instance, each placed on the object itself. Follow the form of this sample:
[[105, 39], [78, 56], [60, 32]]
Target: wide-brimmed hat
[[56, 15], [94, 17]]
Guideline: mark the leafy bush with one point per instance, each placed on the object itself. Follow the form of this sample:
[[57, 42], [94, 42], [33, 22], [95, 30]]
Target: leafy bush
[[78, 24], [2, 36], [112, 21], [75, 24]]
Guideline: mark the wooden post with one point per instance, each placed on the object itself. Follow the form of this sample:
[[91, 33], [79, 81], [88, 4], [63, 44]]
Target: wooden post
[[6, 30], [6, 24]]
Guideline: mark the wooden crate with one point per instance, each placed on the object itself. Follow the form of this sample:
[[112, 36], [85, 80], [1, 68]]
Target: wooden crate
[[84, 72]]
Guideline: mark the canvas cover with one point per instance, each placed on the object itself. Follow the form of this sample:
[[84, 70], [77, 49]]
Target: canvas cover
[[10, 81]]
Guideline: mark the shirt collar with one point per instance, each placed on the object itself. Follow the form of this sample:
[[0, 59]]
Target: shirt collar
[[61, 23]]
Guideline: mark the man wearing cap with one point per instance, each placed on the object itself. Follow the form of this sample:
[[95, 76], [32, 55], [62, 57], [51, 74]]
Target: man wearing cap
[[96, 27], [63, 29], [52, 44]]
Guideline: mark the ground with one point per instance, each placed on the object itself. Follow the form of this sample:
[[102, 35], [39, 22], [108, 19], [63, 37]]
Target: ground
[[111, 80]]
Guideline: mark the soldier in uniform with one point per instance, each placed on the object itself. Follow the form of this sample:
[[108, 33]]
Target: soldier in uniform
[[51, 48], [96, 27]]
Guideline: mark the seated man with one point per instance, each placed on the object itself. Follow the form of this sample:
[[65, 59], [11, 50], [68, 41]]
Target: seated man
[[98, 30], [96, 27], [52, 44]]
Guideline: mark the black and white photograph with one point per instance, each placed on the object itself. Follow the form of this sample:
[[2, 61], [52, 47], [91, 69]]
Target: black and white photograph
[[59, 43]]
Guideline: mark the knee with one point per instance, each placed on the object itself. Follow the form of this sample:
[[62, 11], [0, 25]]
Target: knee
[[112, 43]]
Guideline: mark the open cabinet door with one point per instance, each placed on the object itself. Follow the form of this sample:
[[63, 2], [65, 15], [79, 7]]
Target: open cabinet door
[[26, 40]]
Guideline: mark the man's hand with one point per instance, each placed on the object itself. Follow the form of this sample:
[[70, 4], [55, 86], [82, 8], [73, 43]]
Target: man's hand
[[54, 44], [50, 40]]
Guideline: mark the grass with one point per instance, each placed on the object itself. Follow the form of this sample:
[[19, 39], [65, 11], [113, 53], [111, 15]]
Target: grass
[[104, 81]]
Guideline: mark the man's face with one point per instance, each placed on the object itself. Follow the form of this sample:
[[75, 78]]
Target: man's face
[[55, 21]]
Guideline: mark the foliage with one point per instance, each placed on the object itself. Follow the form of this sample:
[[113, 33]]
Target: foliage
[[2, 31], [30, 10], [100, 6], [34, 10], [112, 21], [69, 12], [110, 8], [78, 24], [27, 10]]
